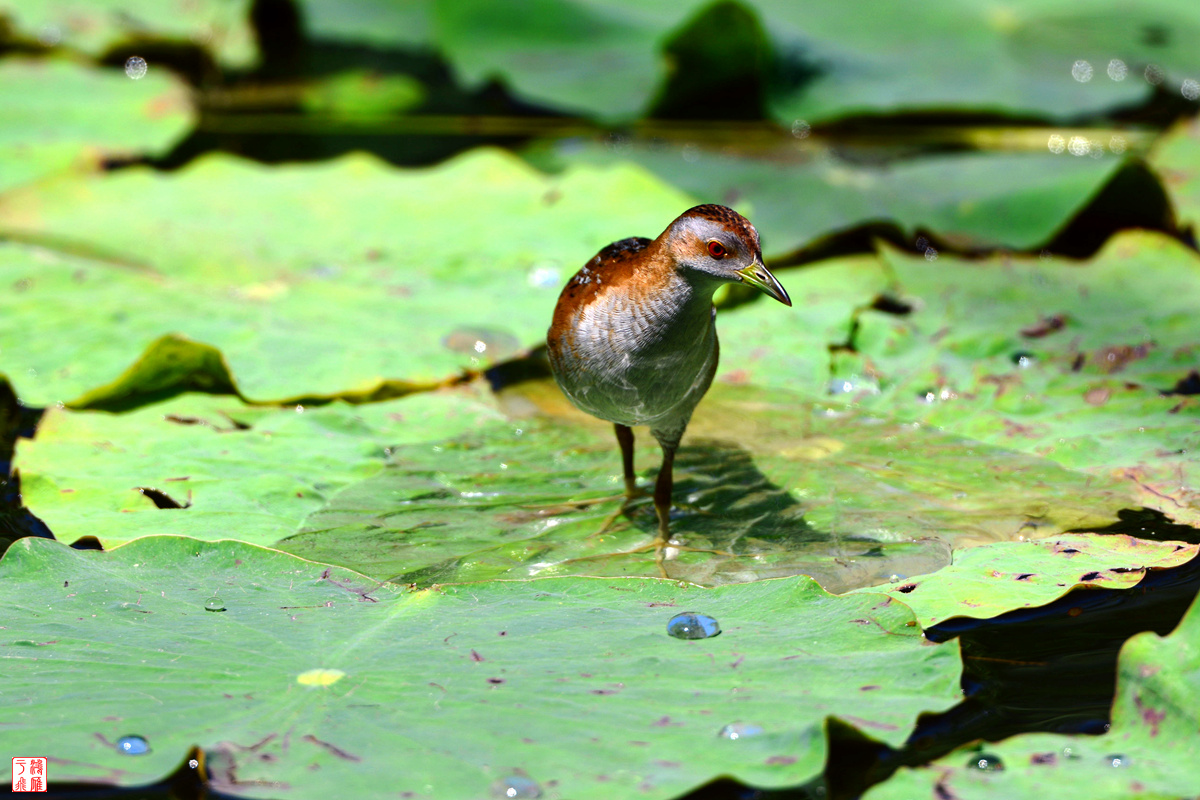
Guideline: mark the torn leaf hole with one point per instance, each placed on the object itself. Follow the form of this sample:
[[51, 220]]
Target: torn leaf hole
[[891, 305], [162, 499]]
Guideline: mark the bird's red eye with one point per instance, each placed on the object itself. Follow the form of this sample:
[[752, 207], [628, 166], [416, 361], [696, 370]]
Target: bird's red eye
[[716, 249]]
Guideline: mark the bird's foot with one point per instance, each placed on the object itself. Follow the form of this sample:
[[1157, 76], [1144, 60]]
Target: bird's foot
[[636, 497], [665, 549]]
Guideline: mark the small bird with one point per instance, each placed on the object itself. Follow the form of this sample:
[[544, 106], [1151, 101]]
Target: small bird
[[633, 340]]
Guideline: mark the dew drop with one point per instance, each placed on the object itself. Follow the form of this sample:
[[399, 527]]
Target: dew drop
[[1056, 143], [1117, 69], [690, 153], [135, 67], [516, 786], [931, 254], [1081, 71], [49, 35], [1190, 89], [1116, 761], [133, 746], [544, 276], [214, 603], [986, 762], [193, 763], [690, 625], [1023, 359], [1117, 144], [477, 342], [801, 129], [739, 730], [1079, 146], [1154, 74]]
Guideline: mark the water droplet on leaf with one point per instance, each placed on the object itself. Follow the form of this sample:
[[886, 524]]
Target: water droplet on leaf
[[738, 730], [1081, 71], [135, 67], [519, 786], [214, 604], [1116, 761], [690, 625], [987, 762], [133, 746]]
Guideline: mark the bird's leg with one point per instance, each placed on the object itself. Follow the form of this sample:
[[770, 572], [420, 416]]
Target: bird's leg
[[625, 439], [663, 488], [662, 493], [632, 492]]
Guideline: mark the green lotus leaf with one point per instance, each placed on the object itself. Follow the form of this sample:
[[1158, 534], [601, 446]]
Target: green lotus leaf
[[990, 580], [1176, 157], [383, 24], [94, 27], [796, 194], [1076, 362], [785, 485], [301, 680], [59, 115], [1147, 752], [301, 250], [1057, 60], [212, 468]]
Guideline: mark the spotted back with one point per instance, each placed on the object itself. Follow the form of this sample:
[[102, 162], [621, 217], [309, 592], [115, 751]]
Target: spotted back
[[612, 265]]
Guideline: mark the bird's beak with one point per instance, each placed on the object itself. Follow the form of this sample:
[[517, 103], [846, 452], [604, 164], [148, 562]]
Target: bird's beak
[[758, 276]]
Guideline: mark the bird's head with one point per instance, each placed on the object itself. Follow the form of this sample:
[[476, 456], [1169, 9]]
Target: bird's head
[[716, 244]]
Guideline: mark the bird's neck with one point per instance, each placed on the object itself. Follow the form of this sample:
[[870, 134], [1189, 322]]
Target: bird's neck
[[686, 305]]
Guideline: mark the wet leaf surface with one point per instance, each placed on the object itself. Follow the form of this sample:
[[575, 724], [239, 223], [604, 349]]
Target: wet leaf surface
[[60, 116], [312, 679], [1088, 395], [975, 199], [1146, 753], [819, 63], [1176, 158], [301, 250], [786, 485], [990, 580], [93, 27], [244, 473]]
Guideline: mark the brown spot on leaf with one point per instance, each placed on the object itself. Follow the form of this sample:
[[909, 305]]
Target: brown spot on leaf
[[781, 761], [1116, 357], [1045, 326], [337, 751], [1097, 396]]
